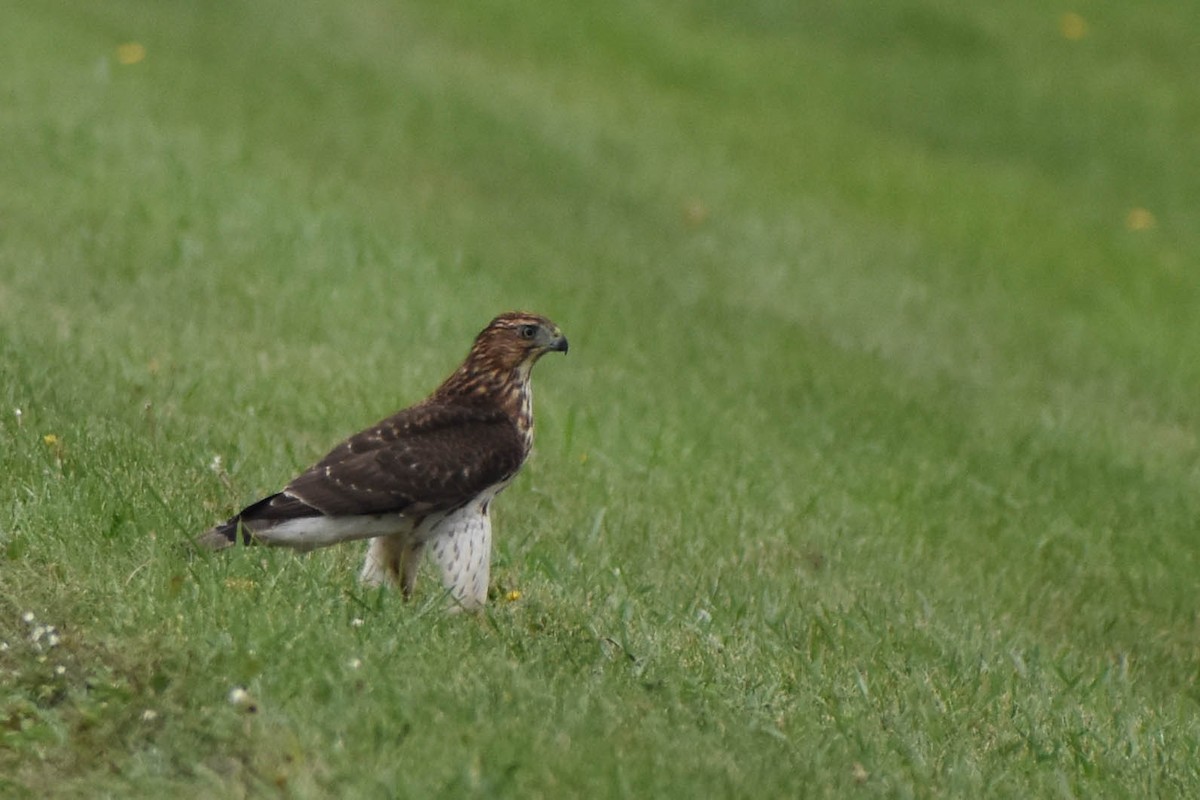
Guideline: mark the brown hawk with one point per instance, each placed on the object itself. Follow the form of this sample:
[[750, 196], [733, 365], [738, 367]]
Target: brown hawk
[[422, 479]]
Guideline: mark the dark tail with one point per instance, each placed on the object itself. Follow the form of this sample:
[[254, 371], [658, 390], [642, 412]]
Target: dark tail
[[225, 535], [264, 513]]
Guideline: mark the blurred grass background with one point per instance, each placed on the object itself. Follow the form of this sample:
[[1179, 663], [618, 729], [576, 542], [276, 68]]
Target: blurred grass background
[[872, 470]]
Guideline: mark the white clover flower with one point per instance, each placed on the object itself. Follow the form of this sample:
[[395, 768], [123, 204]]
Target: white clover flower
[[355, 663], [27, 617], [240, 698], [45, 637], [149, 715], [215, 464], [356, 622]]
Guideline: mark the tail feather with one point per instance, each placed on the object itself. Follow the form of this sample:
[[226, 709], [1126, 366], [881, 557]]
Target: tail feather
[[263, 515], [224, 535]]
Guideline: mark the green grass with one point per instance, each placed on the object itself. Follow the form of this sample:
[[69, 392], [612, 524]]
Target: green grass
[[873, 470]]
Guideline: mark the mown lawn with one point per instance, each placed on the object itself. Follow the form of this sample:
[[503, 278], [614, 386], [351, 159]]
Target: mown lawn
[[872, 472]]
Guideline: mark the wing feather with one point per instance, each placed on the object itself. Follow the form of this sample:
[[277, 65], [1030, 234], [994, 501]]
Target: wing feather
[[422, 460]]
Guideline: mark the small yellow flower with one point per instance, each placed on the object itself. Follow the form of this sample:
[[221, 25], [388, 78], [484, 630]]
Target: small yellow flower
[[50, 439], [513, 596], [130, 53], [1140, 219], [1072, 26]]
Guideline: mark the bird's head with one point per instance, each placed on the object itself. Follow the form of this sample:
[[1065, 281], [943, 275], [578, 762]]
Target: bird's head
[[516, 340], [503, 356], [498, 366]]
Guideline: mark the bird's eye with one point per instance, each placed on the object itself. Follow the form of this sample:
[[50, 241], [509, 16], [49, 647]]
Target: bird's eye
[[528, 331]]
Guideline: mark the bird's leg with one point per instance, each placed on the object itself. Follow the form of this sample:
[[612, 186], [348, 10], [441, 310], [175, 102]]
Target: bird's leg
[[385, 555], [409, 561], [393, 560]]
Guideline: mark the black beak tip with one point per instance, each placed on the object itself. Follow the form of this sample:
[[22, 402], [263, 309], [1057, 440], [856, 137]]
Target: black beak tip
[[561, 344]]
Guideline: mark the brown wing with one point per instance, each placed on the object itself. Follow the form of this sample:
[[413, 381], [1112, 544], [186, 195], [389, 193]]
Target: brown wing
[[428, 458]]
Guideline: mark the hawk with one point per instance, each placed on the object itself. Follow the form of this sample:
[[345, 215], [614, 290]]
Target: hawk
[[422, 479]]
